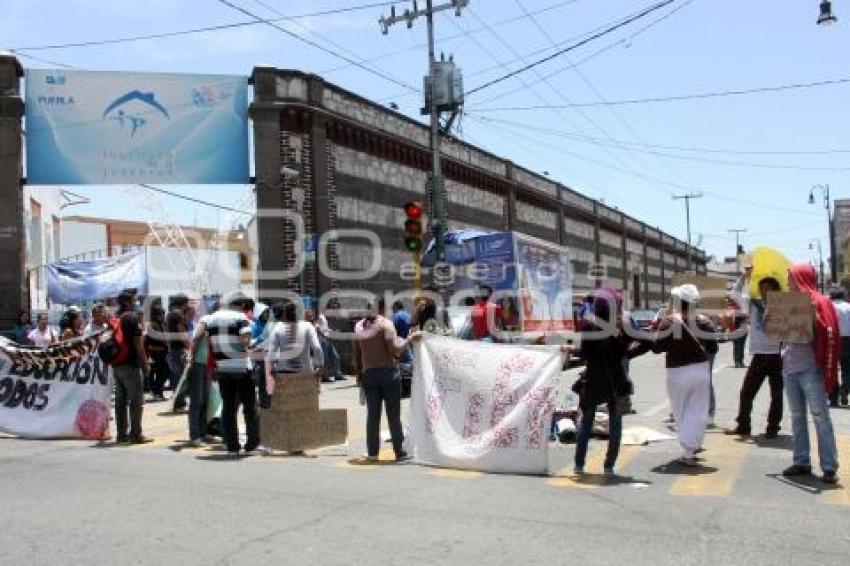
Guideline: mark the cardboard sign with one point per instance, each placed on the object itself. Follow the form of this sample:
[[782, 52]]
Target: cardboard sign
[[712, 290], [295, 422], [789, 317]]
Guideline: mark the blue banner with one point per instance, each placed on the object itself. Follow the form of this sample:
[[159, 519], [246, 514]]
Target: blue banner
[[95, 127], [79, 281]]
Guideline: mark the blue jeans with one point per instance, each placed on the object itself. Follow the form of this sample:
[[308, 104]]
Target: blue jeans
[[712, 400], [383, 386], [585, 429], [804, 389], [199, 390]]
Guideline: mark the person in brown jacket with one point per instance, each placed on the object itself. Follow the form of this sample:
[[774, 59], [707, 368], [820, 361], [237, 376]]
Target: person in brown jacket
[[377, 349]]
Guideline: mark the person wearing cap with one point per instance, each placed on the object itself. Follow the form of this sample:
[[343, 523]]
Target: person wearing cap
[[687, 339], [842, 308]]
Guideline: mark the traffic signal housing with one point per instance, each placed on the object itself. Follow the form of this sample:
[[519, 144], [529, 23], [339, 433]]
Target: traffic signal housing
[[413, 227]]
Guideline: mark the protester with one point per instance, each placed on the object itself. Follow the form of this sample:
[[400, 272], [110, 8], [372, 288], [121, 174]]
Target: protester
[[199, 383], [485, 317], [22, 328], [71, 324], [42, 335], [157, 349], [375, 353], [99, 320], [685, 339], [178, 346], [294, 346], [810, 372], [331, 370], [129, 379], [426, 315], [229, 345], [739, 330], [766, 362], [842, 308], [604, 347]]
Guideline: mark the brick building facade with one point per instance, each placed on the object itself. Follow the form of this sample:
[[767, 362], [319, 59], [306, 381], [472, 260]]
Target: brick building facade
[[357, 163]]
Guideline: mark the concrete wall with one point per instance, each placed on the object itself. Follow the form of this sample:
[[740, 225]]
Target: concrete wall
[[373, 160]]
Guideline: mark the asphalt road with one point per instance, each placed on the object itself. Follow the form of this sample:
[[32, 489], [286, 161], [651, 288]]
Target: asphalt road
[[74, 502]]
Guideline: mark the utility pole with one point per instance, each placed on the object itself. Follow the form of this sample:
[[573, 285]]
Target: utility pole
[[737, 232], [827, 204], [433, 102], [687, 198]]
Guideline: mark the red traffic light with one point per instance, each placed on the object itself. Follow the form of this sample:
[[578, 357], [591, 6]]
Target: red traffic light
[[413, 210]]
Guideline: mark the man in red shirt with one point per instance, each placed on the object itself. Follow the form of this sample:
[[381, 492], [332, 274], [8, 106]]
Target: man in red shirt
[[486, 316]]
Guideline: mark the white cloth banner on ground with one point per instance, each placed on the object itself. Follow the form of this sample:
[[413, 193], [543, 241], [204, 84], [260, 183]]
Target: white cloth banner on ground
[[481, 406], [62, 391]]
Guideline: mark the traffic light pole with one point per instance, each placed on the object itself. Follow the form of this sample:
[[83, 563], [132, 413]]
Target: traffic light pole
[[438, 205], [436, 162]]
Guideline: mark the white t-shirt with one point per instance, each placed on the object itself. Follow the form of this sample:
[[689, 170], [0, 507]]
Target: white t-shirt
[[842, 308], [300, 353], [42, 339]]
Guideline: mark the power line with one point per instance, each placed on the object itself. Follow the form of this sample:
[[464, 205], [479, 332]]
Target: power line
[[41, 60], [558, 92], [606, 31], [620, 118], [197, 201], [677, 98], [197, 30], [318, 46], [575, 64], [651, 181], [619, 145], [685, 148]]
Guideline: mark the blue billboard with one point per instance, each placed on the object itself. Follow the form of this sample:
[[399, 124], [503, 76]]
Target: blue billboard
[[97, 127]]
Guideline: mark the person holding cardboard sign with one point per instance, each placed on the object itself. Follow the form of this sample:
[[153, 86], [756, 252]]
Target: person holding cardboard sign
[[767, 359], [810, 370]]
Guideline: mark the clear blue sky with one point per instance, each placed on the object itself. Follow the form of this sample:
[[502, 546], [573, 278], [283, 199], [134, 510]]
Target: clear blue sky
[[707, 45]]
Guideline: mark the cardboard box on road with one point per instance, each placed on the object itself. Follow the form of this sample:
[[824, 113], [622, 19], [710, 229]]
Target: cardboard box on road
[[295, 422]]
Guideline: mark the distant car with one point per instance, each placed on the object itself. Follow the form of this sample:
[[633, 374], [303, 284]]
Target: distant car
[[643, 319]]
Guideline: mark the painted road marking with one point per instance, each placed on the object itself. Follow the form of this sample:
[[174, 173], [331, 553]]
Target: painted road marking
[[730, 455], [593, 477], [455, 473], [841, 494]]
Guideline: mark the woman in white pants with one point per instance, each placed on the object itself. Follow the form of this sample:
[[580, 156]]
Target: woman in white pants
[[688, 340]]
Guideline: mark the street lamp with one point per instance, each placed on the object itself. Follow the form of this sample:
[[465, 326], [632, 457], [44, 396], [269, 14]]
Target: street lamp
[[820, 258], [826, 17], [824, 191]]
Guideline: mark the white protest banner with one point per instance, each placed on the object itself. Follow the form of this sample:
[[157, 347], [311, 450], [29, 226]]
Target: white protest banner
[[62, 391], [482, 406]]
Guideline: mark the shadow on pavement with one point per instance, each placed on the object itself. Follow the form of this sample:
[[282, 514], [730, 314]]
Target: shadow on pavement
[[367, 463], [782, 442], [812, 485], [603, 480], [675, 467]]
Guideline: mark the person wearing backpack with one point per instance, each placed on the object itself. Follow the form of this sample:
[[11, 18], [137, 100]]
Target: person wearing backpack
[[127, 367]]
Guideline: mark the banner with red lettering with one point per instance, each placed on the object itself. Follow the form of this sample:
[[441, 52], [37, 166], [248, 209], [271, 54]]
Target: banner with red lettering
[[483, 406], [62, 391]]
